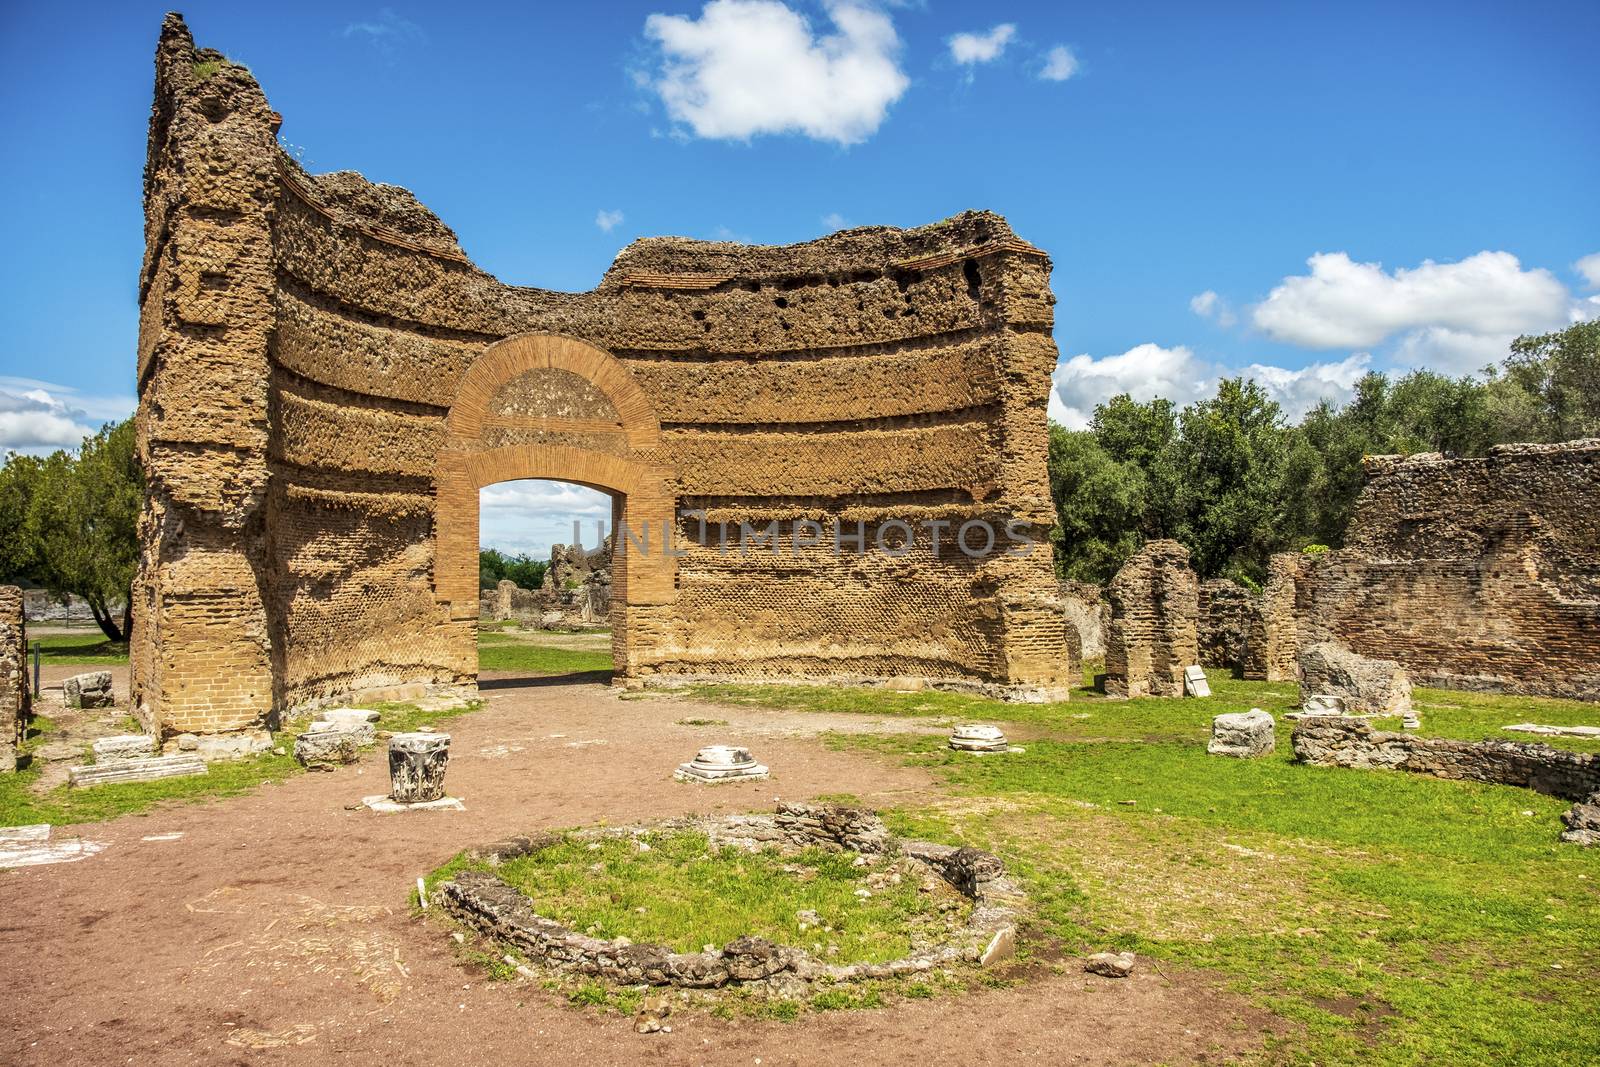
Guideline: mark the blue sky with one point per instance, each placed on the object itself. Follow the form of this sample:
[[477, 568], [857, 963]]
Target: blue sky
[[1308, 191]]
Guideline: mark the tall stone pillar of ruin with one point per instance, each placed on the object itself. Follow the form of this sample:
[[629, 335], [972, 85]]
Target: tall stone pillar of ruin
[[1155, 605], [1272, 649], [14, 695], [200, 654]]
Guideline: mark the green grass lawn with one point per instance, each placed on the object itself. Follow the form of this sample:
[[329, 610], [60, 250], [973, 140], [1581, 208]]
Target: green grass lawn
[[1386, 917], [508, 652], [88, 649], [685, 894]]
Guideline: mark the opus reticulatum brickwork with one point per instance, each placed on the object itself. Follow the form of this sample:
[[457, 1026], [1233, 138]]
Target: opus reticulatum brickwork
[[326, 381]]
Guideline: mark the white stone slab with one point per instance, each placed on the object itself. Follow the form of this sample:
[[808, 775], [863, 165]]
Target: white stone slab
[[1195, 683], [1565, 731], [136, 770], [30, 846], [1323, 704]]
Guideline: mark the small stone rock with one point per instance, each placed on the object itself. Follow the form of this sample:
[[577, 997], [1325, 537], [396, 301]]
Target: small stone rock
[[1110, 964], [188, 742], [652, 1013]]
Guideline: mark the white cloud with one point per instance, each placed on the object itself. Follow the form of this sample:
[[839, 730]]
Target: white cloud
[[41, 417], [1059, 64], [1298, 391], [1208, 305], [970, 48], [1148, 371], [834, 221], [1589, 267], [387, 32], [1447, 313], [531, 515], [608, 220], [1144, 372], [748, 67]]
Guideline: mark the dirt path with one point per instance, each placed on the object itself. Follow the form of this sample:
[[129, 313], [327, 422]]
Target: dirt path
[[276, 928]]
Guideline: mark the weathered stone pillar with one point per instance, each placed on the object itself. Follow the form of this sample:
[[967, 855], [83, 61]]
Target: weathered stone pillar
[[14, 697], [200, 653], [416, 767]]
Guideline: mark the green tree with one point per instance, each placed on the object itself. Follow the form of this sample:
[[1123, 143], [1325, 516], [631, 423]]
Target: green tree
[[495, 566], [1231, 452], [1099, 502], [1548, 389], [78, 527], [1145, 436]]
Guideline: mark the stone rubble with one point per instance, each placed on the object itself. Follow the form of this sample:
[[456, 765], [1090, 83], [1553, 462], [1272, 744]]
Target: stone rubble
[[1332, 741], [1582, 822]]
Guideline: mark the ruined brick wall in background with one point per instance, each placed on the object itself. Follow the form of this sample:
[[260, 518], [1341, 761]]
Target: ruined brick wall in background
[[340, 380], [1479, 573], [1227, 615], [1154, 613], [15, 699], [1272, 649], [1088, 613]]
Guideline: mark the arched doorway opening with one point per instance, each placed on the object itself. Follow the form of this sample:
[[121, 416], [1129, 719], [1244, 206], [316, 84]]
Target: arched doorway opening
[[544, 578], [541, 406]]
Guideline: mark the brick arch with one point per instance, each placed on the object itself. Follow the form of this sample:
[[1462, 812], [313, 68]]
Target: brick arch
[[505, 360], [632, 474]]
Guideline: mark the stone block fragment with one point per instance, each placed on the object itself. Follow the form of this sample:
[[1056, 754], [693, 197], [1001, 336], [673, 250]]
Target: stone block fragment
[[122, 747], [1244, 734], [1374, 686], [1110, 964], [136, 770], [89, 690]]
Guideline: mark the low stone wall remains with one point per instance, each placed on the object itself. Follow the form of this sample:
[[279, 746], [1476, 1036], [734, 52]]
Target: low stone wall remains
[[483, 901], [1335, 741]]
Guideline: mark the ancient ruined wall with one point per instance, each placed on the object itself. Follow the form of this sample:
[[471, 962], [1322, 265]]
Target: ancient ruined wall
[[1340, 741], [1087, 612], [1472, 573], [1272, 649], [14, 696], [871, 376], [1153, 634], [1227, 614], [201, 651]]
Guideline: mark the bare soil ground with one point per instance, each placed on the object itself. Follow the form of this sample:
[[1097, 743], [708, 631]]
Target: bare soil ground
[[276, 929]]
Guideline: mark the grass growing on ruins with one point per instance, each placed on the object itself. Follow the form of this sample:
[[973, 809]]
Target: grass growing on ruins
[[89, 649], [683, 893], [508, 652], [1390, 918]]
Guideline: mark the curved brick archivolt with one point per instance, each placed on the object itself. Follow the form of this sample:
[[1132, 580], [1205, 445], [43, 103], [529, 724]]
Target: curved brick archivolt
[[326, 382]]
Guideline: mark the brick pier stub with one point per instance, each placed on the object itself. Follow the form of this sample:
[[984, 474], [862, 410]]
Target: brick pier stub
[[326, 381]]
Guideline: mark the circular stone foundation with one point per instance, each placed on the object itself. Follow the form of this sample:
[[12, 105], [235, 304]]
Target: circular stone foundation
[[480, 899]]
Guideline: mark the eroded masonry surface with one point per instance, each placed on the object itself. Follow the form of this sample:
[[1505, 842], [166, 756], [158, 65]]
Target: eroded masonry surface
[[326, 381]]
